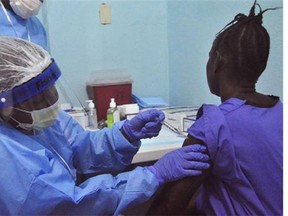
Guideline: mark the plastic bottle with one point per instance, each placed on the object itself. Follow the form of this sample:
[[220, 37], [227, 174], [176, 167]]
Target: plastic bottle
[[113, 115], [92, 116]]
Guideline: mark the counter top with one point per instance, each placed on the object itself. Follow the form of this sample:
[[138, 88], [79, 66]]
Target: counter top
[[154, 148]]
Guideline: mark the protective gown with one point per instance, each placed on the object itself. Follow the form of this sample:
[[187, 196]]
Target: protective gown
[[247, 162], [38, 172], [23, 27]]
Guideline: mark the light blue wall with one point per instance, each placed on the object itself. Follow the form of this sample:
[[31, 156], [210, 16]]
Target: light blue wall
[[192, 28], [163, 44], [136, 40]]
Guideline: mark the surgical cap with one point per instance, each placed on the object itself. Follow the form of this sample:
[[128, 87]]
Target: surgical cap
[[20, 61]]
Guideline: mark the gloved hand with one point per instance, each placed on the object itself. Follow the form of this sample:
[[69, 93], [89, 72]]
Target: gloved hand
[[145, 124], [186, 161]]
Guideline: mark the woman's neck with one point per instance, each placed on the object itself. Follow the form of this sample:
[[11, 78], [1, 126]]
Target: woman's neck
[[242, 92], [255, 99]]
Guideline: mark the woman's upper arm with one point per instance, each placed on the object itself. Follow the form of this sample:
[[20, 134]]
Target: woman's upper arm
[[176, 196]]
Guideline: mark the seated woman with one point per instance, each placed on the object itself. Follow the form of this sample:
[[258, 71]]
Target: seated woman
[[244, 134]]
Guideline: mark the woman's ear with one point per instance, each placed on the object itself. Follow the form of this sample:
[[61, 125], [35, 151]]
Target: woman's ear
[[214, 63], [218, 61]]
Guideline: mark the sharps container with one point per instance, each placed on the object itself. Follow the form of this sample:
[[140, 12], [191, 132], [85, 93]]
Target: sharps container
[[102, 89]]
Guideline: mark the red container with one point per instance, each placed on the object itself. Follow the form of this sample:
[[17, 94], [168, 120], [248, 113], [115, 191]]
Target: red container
[[101, 94]]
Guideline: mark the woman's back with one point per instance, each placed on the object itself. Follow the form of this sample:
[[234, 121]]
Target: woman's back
[[247, 159]]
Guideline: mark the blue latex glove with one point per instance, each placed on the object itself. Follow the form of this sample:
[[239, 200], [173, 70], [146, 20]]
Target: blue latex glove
[[186, 161], [145, 124]]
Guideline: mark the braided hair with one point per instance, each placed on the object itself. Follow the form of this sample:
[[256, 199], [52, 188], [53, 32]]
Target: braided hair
[[245, 43]]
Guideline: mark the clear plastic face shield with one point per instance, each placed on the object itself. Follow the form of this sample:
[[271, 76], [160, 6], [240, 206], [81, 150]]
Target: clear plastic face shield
[[33, 105], [30, 97]]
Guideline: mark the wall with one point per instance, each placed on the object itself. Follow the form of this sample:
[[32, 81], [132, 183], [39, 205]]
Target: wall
[[135, 41], [192, 29], [163, 44]]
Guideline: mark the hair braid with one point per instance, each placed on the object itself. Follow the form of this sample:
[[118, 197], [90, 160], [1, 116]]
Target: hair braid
[[246, 43]]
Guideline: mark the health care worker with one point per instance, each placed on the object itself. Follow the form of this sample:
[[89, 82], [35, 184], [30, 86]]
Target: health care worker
[[42, 149], [18, 19]]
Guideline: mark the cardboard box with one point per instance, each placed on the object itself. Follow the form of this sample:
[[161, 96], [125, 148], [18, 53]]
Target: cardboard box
[[175, 116]]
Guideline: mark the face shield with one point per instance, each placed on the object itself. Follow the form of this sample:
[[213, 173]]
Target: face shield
[[34, 104], [29, 99], [28, 96]]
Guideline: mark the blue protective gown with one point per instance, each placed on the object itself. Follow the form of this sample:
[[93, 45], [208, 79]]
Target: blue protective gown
[[23, 26], [35, 181], [245, 144]]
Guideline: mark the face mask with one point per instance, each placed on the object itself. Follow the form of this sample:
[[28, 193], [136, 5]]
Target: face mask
[[42, 118], [26, 8]]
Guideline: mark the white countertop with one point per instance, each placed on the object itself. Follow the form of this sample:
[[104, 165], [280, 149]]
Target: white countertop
[[156, 147]]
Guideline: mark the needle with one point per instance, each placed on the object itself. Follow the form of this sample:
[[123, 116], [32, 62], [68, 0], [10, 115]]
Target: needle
[[169, 126]]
